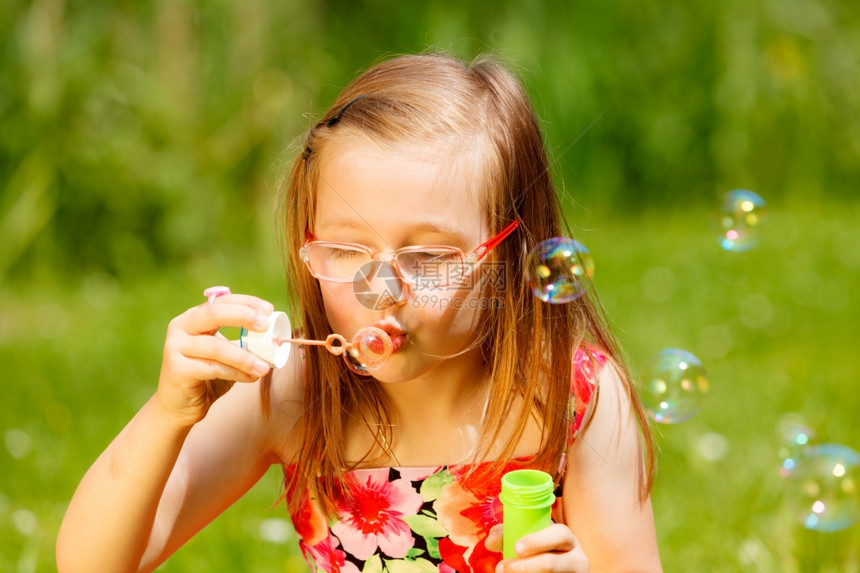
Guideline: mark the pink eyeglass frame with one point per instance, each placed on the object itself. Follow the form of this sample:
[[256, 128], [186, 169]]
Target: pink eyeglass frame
[[479, 253]]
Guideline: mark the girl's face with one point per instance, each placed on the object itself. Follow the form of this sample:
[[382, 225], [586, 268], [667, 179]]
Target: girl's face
[[386, 200]]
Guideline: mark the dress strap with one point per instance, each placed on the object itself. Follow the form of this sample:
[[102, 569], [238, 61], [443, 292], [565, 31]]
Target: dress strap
[[588, 361]]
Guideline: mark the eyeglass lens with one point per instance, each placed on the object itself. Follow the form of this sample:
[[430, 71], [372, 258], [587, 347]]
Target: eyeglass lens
[[340, 262]]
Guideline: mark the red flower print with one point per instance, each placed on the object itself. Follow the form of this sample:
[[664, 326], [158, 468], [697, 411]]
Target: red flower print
[[370, 515], [470, 506], [452, 556], [310, 523], [454, 509], [327, 557], [460, 559], [483, 560]]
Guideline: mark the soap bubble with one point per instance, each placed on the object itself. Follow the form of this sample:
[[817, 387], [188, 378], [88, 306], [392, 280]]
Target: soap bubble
[[373, 345], [795, 437], [558, 270], [369, 349], [823, 487], [674, 384], [276, 530], [739, 220], [18, 442], [25, 521]]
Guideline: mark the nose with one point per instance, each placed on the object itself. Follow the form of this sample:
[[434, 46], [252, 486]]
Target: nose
[[378, 286]]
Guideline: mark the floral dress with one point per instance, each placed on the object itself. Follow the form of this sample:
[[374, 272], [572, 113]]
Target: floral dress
[[406, 520]]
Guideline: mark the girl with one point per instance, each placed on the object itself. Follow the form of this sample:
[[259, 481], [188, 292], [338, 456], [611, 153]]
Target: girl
[[412, 208]]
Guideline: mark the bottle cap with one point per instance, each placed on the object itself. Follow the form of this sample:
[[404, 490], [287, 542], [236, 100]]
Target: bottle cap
[[263, 343], [531, 488]]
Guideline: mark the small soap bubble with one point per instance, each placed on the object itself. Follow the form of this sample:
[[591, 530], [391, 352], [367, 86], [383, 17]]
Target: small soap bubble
[[276, 530], [823, 487], [25, 521], [673, 386], [739, 221], [558, 270], [369, 349], [794, 437], [18, 442], [373, 345], [712, 446]]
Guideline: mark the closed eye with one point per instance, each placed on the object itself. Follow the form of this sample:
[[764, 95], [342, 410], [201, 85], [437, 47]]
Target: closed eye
[[344, 254]]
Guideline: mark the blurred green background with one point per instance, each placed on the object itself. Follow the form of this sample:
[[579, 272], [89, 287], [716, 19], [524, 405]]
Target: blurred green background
[[140, 143]]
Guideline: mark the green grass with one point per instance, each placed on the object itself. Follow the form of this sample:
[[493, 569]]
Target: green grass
[[775, 328]]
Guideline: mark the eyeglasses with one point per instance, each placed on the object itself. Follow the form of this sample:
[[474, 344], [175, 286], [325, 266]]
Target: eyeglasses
[[420, 265]]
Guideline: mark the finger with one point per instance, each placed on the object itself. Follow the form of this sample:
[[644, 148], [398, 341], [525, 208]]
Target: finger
[[494, 538], [225, 358], [205, 370], [208, 318], [261, 305], [195, 370], [207, 357], [571, 562], [556, 537]]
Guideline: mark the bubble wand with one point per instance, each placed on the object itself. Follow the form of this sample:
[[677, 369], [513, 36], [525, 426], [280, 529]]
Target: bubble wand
[[368, 350]]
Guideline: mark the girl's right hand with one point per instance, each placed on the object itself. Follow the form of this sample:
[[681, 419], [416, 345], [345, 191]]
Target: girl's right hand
[[199, 364], [554, 548]]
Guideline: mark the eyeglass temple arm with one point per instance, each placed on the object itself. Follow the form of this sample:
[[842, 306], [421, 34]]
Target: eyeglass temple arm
[[485, 248]]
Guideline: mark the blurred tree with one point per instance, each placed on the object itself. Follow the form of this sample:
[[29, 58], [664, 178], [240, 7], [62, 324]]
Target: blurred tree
[[138, 134]]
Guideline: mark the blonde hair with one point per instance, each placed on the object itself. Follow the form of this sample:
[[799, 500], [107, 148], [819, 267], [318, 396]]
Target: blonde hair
[[528, 345]]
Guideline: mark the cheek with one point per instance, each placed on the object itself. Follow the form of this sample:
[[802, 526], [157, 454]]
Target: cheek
[[339, 301], [455, 311]]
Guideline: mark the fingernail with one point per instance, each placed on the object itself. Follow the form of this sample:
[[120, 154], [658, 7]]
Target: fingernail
[[261, 322], [261, 367], [519, 548]]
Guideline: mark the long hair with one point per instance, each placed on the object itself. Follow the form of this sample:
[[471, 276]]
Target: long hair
[[481, 109]]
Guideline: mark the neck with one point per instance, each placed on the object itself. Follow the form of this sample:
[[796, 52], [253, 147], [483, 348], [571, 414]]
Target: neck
[[454, 389]]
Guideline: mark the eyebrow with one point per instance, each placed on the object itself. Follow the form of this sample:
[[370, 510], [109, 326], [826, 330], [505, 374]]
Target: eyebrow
[[423, 227], [341, 222]]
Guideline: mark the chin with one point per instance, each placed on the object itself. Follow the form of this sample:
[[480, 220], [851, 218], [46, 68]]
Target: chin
[[389, 375], [396, 371]]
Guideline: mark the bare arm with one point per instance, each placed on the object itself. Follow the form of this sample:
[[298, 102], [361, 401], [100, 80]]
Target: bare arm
[[601, 497], [182, 459]]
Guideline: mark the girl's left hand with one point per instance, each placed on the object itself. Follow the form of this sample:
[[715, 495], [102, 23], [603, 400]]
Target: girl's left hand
[[552, 549]]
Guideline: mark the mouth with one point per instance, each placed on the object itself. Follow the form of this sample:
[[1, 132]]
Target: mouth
[[398, 337]]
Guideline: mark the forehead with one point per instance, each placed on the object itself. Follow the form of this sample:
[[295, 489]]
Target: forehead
[[398, 190]]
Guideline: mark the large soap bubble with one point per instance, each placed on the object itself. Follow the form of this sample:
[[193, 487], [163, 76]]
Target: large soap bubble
[[739, 220], [673, 386], [558, 270], [823, 487]]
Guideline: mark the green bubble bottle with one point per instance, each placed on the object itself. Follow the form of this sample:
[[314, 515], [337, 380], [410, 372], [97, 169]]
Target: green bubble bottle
[[527, 500]]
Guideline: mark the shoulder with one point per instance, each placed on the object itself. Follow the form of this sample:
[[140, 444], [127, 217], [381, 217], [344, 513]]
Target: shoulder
[[607, 408]]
